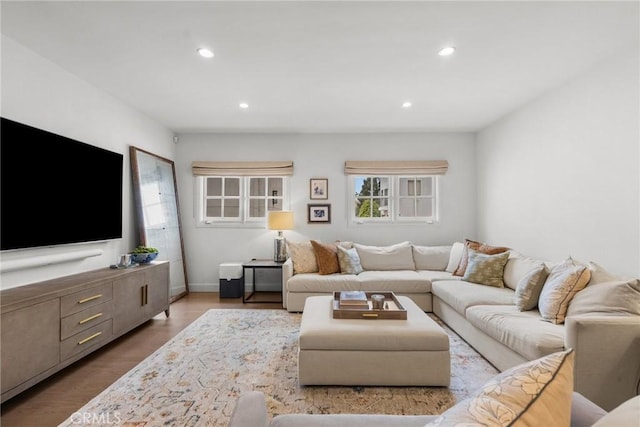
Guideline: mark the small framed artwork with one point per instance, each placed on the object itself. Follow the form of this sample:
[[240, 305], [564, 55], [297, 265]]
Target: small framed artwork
[[318, 188], [319, 214]]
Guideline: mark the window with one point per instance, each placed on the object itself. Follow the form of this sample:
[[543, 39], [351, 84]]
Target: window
[[235, 200], [393, 199], [238, 194]]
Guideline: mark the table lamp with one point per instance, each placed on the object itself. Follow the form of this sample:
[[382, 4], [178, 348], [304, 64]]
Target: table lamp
[[280, 220]]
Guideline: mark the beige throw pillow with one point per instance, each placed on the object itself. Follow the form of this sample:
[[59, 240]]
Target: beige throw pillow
[[536, 393], [564, 281], [530, 286], [486, 269], [433, 258], [327, 257], [303, 257], [617, 298], [454, 257]]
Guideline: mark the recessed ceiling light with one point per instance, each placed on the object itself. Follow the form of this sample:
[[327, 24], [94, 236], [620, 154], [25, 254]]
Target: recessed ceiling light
[[205, 53], [406, 104], [446, 51], [244, 105]]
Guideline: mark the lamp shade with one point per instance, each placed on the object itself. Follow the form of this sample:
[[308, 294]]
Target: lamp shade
[[281, 220]]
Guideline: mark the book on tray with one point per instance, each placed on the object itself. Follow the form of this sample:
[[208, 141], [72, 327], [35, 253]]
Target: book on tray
[[353, 298]]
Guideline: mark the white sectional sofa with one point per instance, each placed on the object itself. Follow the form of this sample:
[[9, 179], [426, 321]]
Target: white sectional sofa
[[602, 320]]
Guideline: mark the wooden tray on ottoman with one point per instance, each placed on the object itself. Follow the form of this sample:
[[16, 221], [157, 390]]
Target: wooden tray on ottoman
[[394, 310]]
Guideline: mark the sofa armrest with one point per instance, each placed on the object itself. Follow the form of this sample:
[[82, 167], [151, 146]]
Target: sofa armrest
[[607, 361], [250, 411], [287, 273]]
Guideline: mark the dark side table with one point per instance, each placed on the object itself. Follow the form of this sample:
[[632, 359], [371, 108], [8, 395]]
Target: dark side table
[[259, 264]]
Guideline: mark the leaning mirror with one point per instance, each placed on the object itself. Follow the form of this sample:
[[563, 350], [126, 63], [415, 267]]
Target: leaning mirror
[[158, 213]]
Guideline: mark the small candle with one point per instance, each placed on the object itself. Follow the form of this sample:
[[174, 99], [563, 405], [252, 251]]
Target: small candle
[[377, 301]]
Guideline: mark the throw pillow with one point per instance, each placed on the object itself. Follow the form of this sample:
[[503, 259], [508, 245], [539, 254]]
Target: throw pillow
[[394, 257], [476, 246], [349, 261], [536, 393], [530, 286], [327, 257], [454, 257], [562, 284], [431, 257], [303, 257], [617, 297], [485, 269]]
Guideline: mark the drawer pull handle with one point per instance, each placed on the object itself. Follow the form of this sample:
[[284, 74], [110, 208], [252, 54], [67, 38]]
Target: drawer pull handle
[[370, 315], [82, 301], [97, 334], [88, 319]]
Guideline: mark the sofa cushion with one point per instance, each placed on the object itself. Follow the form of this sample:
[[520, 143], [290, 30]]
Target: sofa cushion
[[349, 261], [317, 283], [431, 257], [626, 414], [460, 294], [536, 393], [517, 266], [399, 281], [617, 297], [394, 257], [477, 246], [530, 286], [563, 282], [303, 257], [454, 257], [485, 269], [522, 331], [327, 257], [432, 275], [600, 275]]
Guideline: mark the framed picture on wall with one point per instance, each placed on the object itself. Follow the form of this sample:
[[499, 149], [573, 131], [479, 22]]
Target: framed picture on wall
[[318, 188], [318, 214]]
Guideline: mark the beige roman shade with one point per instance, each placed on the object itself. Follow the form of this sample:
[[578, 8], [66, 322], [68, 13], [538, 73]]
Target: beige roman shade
[[279, 168], [396, 167]]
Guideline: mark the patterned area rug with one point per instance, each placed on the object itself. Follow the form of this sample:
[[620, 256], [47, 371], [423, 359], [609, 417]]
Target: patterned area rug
[[195, 378]]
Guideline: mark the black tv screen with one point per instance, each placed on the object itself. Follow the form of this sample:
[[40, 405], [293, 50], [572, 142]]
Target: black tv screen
[[56, 190]]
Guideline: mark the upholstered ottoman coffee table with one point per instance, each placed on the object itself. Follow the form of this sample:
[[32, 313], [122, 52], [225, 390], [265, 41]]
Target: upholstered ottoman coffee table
[[411, 352]]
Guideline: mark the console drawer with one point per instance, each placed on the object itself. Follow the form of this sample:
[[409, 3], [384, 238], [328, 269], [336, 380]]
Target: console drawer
[[85, 319], [78, 301], [86, 339]]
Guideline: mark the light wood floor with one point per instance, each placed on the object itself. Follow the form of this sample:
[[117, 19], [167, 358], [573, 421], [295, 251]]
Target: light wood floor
[[56, 398]]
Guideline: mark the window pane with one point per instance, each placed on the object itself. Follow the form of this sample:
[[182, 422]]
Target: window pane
[[257, 186], [368, 208], [407, 207], [380, 186], [213, 208], [231, 208], [275, 184], [427, 186], [214, 186], [256, 208], [232, 187], [425, 207]]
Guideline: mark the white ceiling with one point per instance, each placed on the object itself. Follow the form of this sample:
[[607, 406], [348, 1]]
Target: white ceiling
[[324, 66]]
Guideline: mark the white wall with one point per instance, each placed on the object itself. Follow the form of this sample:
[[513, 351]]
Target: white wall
[[41, 94], [322, 156], [560, 176]]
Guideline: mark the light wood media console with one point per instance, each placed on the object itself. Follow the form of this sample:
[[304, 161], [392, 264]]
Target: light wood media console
[[47, 326]]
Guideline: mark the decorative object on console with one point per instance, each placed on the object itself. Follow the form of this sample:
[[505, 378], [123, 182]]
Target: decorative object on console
[[143, 254], [318, 214], [318, 188], [280, 220]]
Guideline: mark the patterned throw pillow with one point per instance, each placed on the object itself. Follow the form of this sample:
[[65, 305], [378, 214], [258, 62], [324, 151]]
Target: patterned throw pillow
[[536, 393], [529, 288], [485, 269], [564, 281], [303, 257], [476, 246], [349, 261], [327, 257]]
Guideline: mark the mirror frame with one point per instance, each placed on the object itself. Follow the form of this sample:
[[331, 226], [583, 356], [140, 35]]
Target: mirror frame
[[142, 228]]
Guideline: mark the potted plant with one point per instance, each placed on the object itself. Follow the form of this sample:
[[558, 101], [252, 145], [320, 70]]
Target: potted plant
[[143, 254]]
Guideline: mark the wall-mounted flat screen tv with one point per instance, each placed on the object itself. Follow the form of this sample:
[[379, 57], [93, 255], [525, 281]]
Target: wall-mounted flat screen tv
[[56, 190]]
